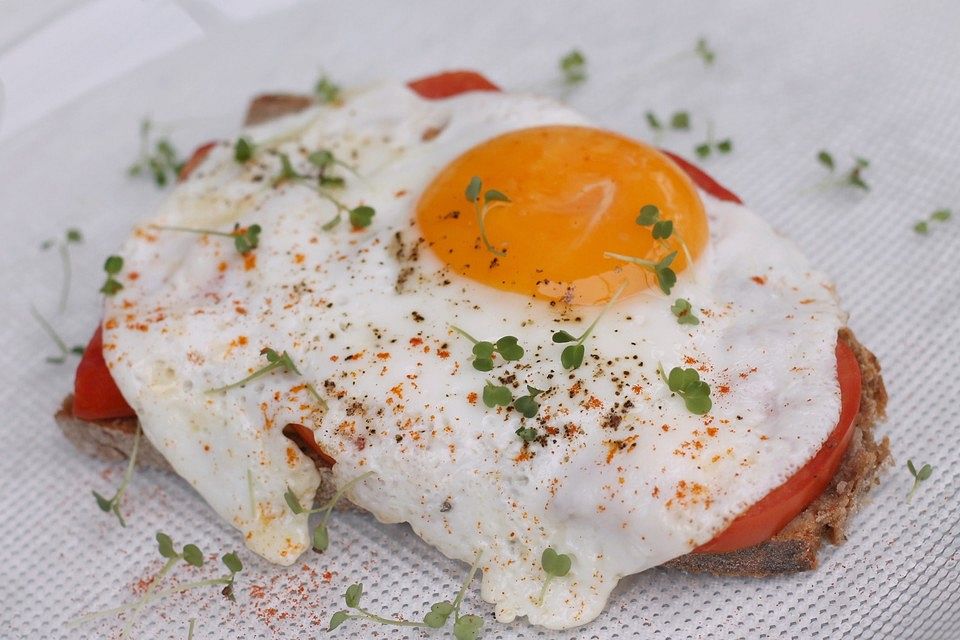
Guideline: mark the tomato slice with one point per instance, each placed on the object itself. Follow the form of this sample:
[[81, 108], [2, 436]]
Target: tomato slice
[[95, 394], [450, 83], [766, 518], [199, 154]]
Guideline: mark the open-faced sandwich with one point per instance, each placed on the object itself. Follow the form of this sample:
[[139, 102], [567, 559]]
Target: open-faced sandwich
[[553, 350]]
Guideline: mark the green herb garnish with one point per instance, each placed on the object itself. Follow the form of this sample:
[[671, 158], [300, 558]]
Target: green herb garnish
[[57, 340], [572, 355], [191, 555], [680, 121], [940, 215], [72, 236], [113, 266], [661, 230], [491, 198], [574, 67], [245, 239], [326, 91], [465, 627], [661, 270], [275, 361], [243, 149], [918, 476], [527, 434], [483, 351], [161, 162], [684, 312], [853, 177], [555, 565], [527, 405], [321, 536], [705, 53], [653, 121], [705, 149], [687, 384], [113, 504], [360, 217], [496, 396]]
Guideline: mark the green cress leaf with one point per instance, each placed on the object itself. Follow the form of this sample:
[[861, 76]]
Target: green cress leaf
[[473, 189], [321, 538], [165, 545], [649, 214], [107, 505], [925, 472], [362, 216], [492, 195], [680, 120], [826, 160], [527, 434], [321, 159], [192, 555], [338, 619], [555, 564], [666, 277], [242, 150], [293, 502], [702, 150], [699, 404], [683, 310], [911, 468], [561, 337], [705, 52], [572, 356], [326, 91], [232, 562], [467, 627], [508, 348], [573, 66], [653, 121], [494, 395], [247, 240], [922, 227], [353, 594], [941, 215], [662, 229], [113, 265], [74, 235], [438, 615], [725, 145], [528, 406], [484, 349]]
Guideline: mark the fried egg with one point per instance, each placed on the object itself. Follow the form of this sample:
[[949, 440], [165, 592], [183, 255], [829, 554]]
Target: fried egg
[[620, 475]]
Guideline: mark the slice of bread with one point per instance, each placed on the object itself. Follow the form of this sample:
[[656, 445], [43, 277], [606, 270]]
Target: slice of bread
[[793, 549]]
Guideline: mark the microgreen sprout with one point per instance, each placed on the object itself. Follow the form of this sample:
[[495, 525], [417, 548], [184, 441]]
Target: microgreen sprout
[[555, 565], [113, 504], [687, 384], [321, 536], [57, 340], [465, 627], [360, 217], [918, 476], [572, 355], [491, 199], [496, 396], [527, 434], [853, 177], [940, 215], [191, 555], [243, 149], [527, 405], [711, 144], [275, 361], [113, 265], [574, 67], [661, 270], [683, 310], [191, 623], [679, 121], [161, 161], [704, 51], [483, 351], [245, 239], [72, 236], [326, 91], [661, 231]]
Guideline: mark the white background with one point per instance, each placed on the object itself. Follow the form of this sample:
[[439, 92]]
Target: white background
[[878, 78]]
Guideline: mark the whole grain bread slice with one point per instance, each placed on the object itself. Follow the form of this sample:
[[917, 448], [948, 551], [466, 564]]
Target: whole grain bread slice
[[793, 549]]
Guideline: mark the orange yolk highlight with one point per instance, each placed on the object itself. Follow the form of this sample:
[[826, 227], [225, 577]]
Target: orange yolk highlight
[[575, 193]]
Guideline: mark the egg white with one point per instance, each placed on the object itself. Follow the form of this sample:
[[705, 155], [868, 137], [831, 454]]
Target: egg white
[[629, 480]]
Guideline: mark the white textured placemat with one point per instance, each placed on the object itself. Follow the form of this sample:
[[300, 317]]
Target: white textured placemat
[[879, 79]]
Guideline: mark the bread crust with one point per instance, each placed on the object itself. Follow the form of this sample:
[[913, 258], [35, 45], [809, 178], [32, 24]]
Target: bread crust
[[794, 549]]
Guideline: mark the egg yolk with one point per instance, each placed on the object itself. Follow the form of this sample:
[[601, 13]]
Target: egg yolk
[[574, 194]]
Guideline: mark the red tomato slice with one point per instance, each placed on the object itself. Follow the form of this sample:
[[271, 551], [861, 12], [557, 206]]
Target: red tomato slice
[[198, 156], [451, 83], [766, 518], [95, 394]]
